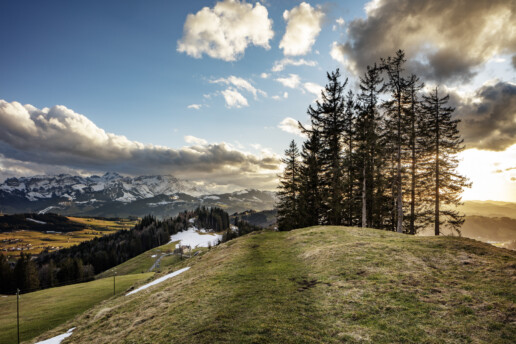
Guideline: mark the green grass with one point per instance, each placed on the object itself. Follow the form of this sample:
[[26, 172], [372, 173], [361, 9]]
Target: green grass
[[143, 262], [320, 285], [43, 310]]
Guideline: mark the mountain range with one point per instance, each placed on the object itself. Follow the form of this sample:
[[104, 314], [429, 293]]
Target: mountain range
[[114, 195]]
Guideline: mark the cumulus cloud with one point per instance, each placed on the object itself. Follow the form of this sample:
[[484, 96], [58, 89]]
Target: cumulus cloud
[[313, 88], [338, 23], [281, 64], [446, 40], [195, 140], [303, 26], [194, 106], [240, 84], [488, 118], [234, 99], [264, 76], [62, 138], [292, 81], [291, 126], [225, 31]]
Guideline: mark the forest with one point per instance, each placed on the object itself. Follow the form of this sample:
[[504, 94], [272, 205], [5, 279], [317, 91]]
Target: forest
[[82, 262], [382, 156]]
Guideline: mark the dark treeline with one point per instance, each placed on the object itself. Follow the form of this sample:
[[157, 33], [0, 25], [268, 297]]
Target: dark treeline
[[382, 156], [82, 262]]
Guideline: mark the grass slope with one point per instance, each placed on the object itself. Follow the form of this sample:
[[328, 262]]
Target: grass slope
[[143, 262], [43, 310], [320, 285]]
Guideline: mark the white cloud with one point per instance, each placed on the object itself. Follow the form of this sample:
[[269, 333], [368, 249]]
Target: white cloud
[[313, 88], [276, 97], [225, 31], [59, 139], [291, 126], [303, 26], [195, 140], [194, 106], [241, 84], [285, 95], [264, 75], [292, 81], [338, 55], [281, 64], [234, 99], [339, 22]]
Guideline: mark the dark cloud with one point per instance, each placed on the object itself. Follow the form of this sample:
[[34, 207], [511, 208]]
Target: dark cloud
[[60, 137], [449, 38], [488, 119]]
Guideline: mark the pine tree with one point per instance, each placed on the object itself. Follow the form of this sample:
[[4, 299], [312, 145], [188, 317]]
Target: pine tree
[[443, 142], [368, 137], [396, 85], [416, 149], [328, 119], [310, 188], [349, 165], [288, 208]]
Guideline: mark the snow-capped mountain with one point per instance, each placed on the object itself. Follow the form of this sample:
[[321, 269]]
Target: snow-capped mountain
[[120, 196], [111, 186]]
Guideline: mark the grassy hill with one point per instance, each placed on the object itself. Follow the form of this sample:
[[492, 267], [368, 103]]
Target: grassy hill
[[43, 310], [320, 285]]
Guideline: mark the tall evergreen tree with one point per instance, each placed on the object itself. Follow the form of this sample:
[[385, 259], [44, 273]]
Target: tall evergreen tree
[[288, 207], [310, 188], [443, 143], [328, 119], [416, 149], [368, 137], [396, 85]]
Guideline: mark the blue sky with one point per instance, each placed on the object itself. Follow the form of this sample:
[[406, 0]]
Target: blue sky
[[118, 63]]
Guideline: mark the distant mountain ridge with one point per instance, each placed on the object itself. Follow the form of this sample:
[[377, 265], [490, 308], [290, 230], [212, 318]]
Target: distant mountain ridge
[[113, 195]]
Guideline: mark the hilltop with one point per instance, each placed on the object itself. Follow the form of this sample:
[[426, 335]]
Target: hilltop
[[320, 285]]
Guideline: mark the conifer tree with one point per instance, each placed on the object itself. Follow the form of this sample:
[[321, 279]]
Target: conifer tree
[[396, 85], [288, 207], [443, 143], [328, 119], [310, 188], [368, 137], [416, 149]]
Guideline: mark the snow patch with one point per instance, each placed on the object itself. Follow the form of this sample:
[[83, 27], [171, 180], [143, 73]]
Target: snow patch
[[212, 197], [126, 198], [156, 281], [192, 238], [158, 203], [44, 211], [36, 221], [58, 339]]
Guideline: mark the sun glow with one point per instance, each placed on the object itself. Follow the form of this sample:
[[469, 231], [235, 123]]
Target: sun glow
[[493, 174]]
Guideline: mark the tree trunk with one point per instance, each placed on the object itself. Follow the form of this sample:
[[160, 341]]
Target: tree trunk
[[364, 205], [399, 226], [437, 138]]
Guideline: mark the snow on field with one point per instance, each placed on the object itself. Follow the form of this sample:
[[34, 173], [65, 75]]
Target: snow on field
[[194, 239], [36, 221], [154, 256], [58, 339], [159, 280], [46, 209]]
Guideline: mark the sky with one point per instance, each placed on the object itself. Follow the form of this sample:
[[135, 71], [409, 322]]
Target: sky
[[211, 91]]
